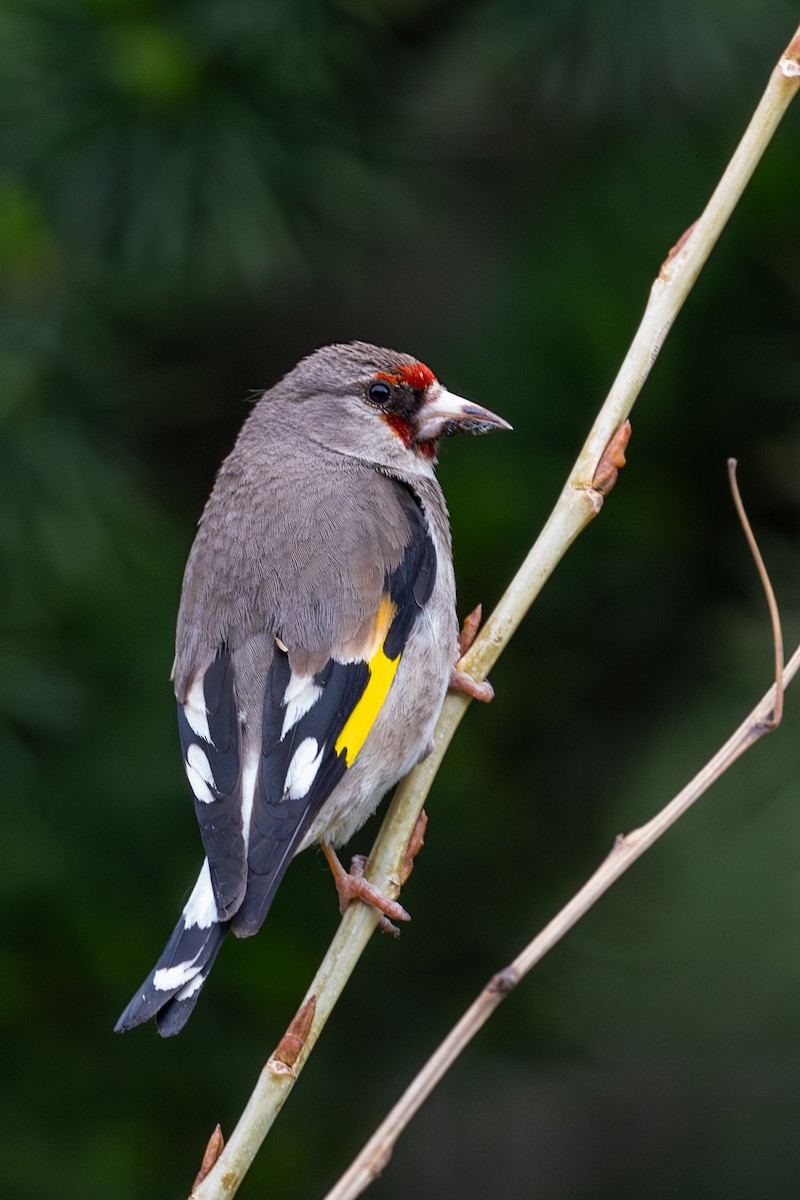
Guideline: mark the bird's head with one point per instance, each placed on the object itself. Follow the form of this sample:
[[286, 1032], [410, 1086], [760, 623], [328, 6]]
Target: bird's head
[[385, 405], [419, 411]]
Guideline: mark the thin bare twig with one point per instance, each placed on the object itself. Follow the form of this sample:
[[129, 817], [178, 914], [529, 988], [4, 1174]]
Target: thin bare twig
[[372, 1160], [578, 503], [774, 614]]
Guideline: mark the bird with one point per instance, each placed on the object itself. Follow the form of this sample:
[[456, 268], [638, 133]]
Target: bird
[[316, 638]]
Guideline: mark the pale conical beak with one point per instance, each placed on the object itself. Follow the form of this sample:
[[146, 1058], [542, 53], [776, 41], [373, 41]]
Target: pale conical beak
[[443, 413]]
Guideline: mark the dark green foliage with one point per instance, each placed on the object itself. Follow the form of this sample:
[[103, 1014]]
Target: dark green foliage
[[193, 195]]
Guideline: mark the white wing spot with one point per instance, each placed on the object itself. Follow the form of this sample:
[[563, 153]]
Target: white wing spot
[[194, 709], [201, 907], [198, 772], [303, 769], [197, 758], [300, 697]]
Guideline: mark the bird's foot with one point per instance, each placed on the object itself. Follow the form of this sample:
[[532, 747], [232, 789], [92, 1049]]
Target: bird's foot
[[351, 885], [461, 681]]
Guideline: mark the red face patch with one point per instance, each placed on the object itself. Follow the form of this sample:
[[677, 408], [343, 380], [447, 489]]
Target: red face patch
[[401, 427], [413, 375]]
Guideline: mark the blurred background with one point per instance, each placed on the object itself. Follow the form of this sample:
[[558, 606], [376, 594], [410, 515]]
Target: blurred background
[[194, 195]]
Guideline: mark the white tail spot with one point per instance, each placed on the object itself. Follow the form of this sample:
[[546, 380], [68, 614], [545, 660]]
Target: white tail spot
[[201, 907]]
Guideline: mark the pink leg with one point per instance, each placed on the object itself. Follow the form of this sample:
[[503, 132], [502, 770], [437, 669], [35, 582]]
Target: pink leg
[[352, 884]]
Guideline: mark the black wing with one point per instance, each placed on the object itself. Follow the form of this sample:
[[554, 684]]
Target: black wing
[[315, 726]]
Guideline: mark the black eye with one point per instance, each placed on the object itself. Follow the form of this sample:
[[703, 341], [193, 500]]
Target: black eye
[[378, 393]]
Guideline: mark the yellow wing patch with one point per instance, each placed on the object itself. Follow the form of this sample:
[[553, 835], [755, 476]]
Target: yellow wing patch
[[381, 673]]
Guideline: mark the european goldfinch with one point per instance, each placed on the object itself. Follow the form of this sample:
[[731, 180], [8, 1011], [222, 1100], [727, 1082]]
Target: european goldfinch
[[316, 635]]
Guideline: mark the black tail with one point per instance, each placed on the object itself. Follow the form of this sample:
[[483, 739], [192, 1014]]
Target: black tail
[[171, 989]]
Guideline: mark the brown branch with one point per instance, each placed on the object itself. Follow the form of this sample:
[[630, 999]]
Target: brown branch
[[774, 614]]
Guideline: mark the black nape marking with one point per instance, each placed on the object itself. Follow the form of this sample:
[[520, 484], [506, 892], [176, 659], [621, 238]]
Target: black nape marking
[[411, 583]]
